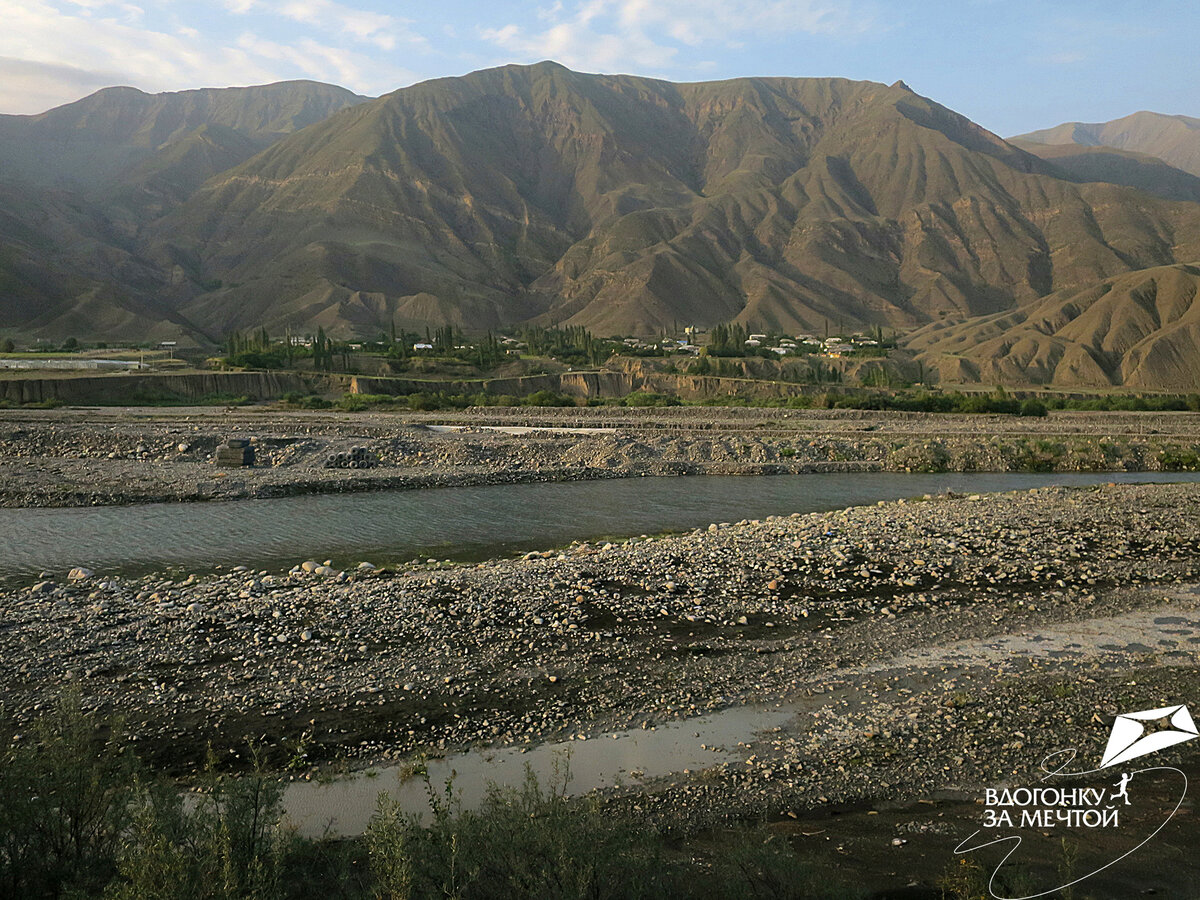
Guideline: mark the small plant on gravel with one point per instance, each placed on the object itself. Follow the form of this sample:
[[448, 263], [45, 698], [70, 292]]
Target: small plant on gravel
[[964, 880], [1063, 690]]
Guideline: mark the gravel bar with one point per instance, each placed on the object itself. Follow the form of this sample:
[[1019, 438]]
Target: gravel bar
[[107, 456]]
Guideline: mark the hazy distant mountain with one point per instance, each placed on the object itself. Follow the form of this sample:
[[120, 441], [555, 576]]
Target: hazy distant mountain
[[79, 182], [93, 141], [1141, 329], [1173, 139], [534, 193]]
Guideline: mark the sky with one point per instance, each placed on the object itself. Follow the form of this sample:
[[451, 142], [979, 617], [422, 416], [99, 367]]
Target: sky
[[1010, 65]]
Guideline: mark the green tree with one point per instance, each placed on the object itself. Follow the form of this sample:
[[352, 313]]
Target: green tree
[[728, 340]]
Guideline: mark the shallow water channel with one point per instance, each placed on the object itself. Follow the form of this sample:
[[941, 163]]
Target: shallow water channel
[[467, 523], [345, 806]]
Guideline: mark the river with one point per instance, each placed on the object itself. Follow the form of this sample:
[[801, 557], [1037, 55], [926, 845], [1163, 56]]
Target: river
[[468, 523]]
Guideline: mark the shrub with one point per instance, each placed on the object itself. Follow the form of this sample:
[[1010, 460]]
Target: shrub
[[547, 398], [647, 398], [533, 841], [64, 803], [309, 401], [258, 359], [1032, 407], [228, 844], [523, 842]]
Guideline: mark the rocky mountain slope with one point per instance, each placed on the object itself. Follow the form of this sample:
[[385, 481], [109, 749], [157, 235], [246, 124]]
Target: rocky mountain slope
[[80, 182], [628, 204]]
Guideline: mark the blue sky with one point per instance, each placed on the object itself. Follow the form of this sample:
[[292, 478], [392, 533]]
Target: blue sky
[[1011, 65]]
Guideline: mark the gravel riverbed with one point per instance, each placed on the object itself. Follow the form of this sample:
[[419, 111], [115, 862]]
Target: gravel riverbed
[[105, 456], [931, 644]]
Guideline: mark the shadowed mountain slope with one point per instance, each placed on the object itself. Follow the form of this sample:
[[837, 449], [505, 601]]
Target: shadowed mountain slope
[[79, 182], [1137, 170]]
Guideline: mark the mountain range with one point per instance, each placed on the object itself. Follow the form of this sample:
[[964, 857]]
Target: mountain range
[[624, 204]]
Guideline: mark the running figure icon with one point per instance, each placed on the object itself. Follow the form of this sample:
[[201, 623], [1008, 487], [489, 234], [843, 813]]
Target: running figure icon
[[1122, 787]]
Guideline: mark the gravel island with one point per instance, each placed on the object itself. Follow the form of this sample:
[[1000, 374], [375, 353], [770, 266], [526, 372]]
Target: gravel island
[[110, 455]]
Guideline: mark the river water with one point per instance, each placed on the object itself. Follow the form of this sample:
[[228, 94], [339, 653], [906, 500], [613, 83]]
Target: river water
[[469, 523]]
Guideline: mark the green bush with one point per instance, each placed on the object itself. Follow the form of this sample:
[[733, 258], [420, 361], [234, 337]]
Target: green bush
[[305, 401], [547, 398], [1033, 407], [1127, 403], [647, 398], [522, 842], [64, 805], [535, 842], [80, 818], [258, 359], [228, 844]]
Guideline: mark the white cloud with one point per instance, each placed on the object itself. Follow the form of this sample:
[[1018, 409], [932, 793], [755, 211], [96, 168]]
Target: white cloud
[[639, 34], [74, 52], [380, 29], [55, 51], [126, 12], [33, 87], [702, 21], [577, 43], [323, 62]]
